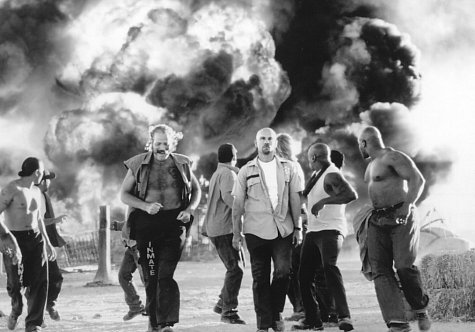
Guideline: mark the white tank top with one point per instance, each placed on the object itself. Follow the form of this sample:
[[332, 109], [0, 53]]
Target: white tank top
[[331, 216]]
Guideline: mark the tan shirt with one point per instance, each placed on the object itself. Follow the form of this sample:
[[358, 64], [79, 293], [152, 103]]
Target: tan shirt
[[218, 219], [260, 218]]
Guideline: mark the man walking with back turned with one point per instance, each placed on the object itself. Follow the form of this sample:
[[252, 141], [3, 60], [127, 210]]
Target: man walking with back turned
[[218, 225]]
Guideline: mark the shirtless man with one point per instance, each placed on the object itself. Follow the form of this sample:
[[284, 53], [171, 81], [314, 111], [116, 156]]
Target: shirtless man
[[163, 193], [394, 185], [21, 202]]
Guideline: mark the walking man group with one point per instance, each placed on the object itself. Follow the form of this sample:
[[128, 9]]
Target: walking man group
[[261, 203]]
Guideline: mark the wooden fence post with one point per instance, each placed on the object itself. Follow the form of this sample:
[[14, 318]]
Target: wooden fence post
[[103, 275]]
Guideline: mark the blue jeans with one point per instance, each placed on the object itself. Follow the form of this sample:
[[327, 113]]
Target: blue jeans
[[320, 251], [129, 265], [269, 297], [31, 274], [232, 280], [391, 244]]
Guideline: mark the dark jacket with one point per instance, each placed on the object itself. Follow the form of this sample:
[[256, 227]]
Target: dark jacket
[[140, 166], [53, 235]]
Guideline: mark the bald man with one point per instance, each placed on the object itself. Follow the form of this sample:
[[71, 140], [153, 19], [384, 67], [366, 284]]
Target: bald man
[[394, 185], [266, 193], [327, 193]]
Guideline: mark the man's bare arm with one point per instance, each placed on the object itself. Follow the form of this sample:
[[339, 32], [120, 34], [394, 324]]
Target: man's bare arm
[[340, 191], [41, 226], [404, 167], [8, 244], [6, 197], [237, 213], [126, 195], [52, 221], [195, 193], [295, 205], [185, 215], [407, 170]]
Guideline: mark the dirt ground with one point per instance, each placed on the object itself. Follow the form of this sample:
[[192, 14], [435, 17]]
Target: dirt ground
[[101, 308]]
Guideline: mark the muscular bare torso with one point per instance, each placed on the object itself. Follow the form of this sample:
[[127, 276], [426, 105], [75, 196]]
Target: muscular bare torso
[[21, 206], [165, 184], [385, 186]]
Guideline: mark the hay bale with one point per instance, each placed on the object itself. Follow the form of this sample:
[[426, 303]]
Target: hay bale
[[448, 271], [449, 304], [449, 280]]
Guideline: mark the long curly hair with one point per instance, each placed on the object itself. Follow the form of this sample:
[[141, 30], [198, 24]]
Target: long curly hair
[[173, 136]]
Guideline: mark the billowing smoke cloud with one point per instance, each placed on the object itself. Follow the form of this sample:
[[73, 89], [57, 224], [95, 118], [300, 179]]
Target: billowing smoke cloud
[[367, 60], [93, 75], [206, 68], [353, 69]]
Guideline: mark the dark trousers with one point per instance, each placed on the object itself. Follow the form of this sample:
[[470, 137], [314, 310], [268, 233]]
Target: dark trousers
[[391, 244], [130, 263], [325, 300], [269, 296], [31, 274], [55, 281], [160, 240], [320, 250], [228, 297], [293, 293]]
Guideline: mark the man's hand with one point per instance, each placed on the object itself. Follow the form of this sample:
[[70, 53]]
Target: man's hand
[[10, 248], [50, 252], [316, 208], [153, 208], [403, 213], [61, 218], [237, 241], [297, 237], [184, 216]]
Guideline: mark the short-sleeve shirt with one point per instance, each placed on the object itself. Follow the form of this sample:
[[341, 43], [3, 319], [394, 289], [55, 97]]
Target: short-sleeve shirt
[[260, 218], [218, 220]]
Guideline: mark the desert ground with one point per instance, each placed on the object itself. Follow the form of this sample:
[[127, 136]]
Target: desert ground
[[101, 308]]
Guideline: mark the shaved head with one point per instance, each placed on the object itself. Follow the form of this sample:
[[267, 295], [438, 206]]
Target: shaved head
[[318, 156], [370, 138], [266, 143], [320, 150], [265, 132], [371, 133]]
